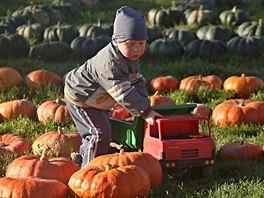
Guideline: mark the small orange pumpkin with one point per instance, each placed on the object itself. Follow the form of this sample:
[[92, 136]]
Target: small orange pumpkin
[[238, 111], [159, 100], [42, 77], [110, 181], [164, 84], [145, 160], [57, 143], [9, 77], [59, 168], [10, 143], [53, 110], [32, 187], [17, 108], [243, 85], [192, 83], [119, 112], [240, 151]]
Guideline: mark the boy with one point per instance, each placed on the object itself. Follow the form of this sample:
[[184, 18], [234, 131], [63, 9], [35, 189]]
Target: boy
[[112, 76]]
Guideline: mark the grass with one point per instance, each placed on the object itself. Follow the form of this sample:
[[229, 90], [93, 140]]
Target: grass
[[230, 178]]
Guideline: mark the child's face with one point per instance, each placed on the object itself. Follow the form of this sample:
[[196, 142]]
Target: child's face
[[132, 49]]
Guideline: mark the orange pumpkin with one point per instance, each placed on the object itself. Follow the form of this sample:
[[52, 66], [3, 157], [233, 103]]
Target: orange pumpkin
[[9, 77], [164, 84], [202, 110], [57, 143], [243, 85], [107, 181], [17, 108], [159, 100], [238, 111], [53, 110], [42, 77], [192, 83], [145, 160], [32, 187], [240, 151], [119, 112], [10, 143], [59, 168]]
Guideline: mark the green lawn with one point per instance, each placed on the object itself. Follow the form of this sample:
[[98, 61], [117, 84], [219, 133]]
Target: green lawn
[[231, 178]]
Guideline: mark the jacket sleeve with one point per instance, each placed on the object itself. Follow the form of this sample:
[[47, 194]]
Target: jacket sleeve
[[133, 96]]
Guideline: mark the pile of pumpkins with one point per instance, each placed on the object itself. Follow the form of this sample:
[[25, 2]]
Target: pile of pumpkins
[[124, 174]]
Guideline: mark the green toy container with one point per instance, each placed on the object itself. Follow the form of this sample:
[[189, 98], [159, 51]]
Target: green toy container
[[131, 133]]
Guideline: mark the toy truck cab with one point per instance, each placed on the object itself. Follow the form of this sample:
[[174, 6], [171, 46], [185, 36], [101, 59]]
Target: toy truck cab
[[181, 142]]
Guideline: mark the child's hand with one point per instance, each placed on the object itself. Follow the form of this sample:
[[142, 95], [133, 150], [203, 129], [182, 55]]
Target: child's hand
[[151, 117]]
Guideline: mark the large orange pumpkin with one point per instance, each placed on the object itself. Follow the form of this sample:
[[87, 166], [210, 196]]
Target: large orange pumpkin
[[243, 85], [145, 160], [32, 187], [57, 143], [17, 108], [192, 83], [53, 110], [59, 168], [164, 84], [9, 77], [42, 77], [240, 151], [107, 181], [10, 143], [238, 111]]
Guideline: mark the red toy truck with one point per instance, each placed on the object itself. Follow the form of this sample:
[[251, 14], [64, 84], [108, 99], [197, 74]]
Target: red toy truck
[[180, 140]]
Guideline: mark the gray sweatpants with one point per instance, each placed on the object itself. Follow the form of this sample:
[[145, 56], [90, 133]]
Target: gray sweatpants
[[94, 127]]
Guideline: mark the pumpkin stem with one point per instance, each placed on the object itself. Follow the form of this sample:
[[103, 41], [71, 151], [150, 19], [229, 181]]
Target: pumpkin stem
[[173, 4], [234, 9], [2, 144], [99, 22], [108, 167], [122, 151], [43, 155], [242, 142], [243, 75], [156, 93], [242, 103]]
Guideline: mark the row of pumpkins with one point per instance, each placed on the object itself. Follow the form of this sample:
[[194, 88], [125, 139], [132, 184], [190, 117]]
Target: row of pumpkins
[[56, 110], [62, 41], [50, 167]]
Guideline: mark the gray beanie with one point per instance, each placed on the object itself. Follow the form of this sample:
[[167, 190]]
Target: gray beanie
[[129, 24]]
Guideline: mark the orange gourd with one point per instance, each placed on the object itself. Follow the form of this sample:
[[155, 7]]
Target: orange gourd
[[10, 143], [243, 85], [17, 108], [9, 77], [57, 143], [240, 151], [159, 100], [32, 187], [145, 160], [53, 110], [42, 77], [59, 168], [164, 84], [110, 181], [192, 83], [238, 111]]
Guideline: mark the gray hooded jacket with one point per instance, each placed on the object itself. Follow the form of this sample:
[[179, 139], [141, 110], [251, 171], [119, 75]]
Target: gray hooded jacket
[[106, 79]]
